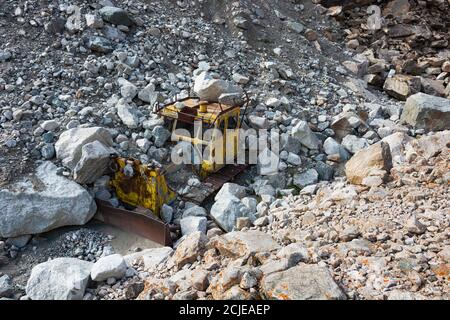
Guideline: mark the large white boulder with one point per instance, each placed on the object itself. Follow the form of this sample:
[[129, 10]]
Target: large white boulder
[[93, 162], [69, 145], [127, 114], [43, 201], [210, 89], [112, 266], [59, 279]]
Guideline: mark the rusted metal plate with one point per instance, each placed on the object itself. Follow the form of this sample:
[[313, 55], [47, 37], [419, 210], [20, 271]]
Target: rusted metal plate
[[139, 222]]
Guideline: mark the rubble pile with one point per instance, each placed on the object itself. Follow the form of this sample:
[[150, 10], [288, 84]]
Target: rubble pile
[[400, 46]]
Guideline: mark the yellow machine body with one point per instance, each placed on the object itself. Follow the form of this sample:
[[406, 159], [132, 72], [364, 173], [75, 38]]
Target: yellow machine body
[[222, 145], [140, 185]]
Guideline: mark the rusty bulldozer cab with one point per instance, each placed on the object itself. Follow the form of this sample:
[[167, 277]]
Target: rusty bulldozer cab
[[213, 148]]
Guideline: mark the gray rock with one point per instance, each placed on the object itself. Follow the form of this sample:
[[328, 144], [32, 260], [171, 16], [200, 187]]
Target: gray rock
[[268, 163], [112, 266], [149, 95], [241, 243], [93, 162], [376, 157], [50, 125], [166, 213], [59, 279], [150, 257], [423, 111], [295, 26], [414, 226], [210, 89], [69, 145], [303, 282], [116, 16], [6, 287], [93, 21], [258, 122], [306, 178], [20, 241], [193, 224], [226, 210], [302, 132], [42, 202]]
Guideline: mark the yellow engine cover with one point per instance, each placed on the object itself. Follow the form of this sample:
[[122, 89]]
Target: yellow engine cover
[[140, 185]]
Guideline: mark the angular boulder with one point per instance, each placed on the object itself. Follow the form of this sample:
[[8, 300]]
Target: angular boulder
[[59, 279], [93, 162], [227, 210], [308, 138], [239, 243], [402, 86], [6, 286], [376, 157], [42, 202], [112, 266], [193, 224], [423, 111], [188, 250], [231, 189], [210, 89], [303, 282], [69, 145], [127, 114]]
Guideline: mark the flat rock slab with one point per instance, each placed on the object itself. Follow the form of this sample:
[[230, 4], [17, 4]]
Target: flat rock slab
[[303, 282], [238, 243], [150, 257], [423, 111]]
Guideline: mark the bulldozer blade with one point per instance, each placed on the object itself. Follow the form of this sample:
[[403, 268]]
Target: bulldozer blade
[[136, 222]]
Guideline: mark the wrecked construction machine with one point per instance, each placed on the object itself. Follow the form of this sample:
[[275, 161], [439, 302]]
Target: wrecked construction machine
[[143, 188]]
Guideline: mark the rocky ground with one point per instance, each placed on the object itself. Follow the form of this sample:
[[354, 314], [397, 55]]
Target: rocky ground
[[355, 207]]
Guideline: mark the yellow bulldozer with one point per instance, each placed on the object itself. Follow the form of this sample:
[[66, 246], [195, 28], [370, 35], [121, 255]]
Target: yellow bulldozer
[[144, 186]]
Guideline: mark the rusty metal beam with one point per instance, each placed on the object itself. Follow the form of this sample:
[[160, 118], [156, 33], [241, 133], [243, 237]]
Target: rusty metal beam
[[135, 222]]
